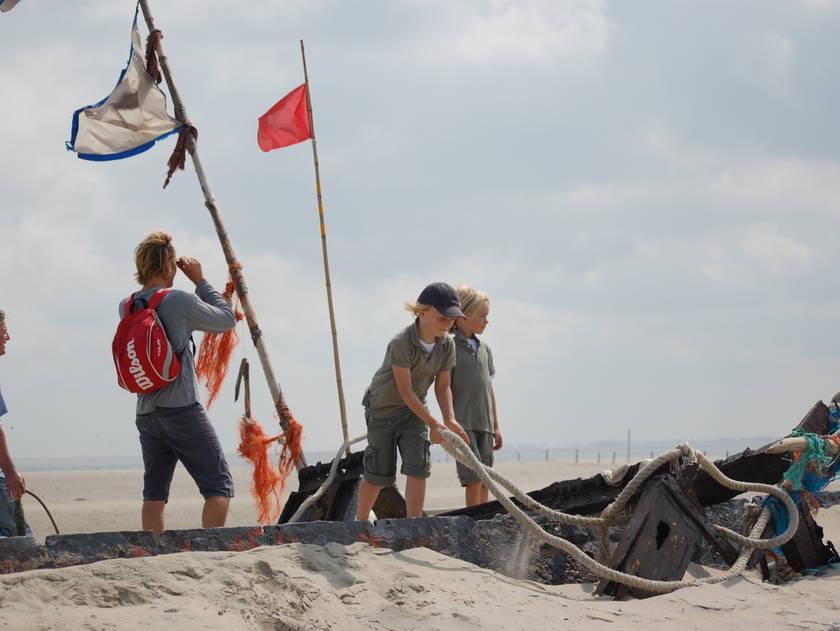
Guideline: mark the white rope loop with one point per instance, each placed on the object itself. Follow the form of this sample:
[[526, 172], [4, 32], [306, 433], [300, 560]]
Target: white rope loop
[[455, 446], [496, 483]]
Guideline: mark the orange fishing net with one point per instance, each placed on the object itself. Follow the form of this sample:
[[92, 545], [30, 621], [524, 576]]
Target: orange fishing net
[[269, 484], [292, 449], [253, 445], [214, 355]]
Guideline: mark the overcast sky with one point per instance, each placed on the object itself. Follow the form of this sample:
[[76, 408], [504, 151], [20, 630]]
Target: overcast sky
[[649, 192]]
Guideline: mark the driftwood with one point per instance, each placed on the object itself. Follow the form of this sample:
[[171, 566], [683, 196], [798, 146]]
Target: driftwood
[[663, 535]]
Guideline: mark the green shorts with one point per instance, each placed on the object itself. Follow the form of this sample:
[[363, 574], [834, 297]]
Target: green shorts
[[404, 431], [481, 444]]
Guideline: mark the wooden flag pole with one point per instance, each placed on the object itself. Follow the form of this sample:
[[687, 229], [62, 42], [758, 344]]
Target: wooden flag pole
[[230, 256], [338, 382]]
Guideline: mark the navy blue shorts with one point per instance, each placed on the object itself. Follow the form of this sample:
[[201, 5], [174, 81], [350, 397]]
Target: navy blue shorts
[[168, 435]]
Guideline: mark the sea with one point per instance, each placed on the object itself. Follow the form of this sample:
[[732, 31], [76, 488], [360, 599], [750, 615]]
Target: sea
[[607, 453]]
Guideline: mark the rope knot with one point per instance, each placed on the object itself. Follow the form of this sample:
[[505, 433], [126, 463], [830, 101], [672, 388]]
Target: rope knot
[[152, 65], [179, 154]]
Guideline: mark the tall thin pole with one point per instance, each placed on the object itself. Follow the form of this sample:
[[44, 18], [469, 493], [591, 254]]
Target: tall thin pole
[[227, 247], [628, 445], [338, 383]]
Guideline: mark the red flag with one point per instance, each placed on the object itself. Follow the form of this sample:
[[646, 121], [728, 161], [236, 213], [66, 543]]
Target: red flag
[[287, 123]]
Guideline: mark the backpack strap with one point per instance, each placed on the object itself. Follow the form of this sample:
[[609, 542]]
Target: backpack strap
[[127, 305], [157, 297]]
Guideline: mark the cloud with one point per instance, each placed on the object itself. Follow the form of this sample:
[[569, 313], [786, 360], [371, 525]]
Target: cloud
[[487, 31], [769, 60], [820, 4], [788, 184], [766, 245]]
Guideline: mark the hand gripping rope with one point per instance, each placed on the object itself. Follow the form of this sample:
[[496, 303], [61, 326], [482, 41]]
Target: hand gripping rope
[[611, 515]]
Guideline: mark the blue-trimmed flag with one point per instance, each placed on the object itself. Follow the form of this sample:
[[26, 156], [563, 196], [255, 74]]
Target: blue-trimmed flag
[[8, 5], [129, 120]]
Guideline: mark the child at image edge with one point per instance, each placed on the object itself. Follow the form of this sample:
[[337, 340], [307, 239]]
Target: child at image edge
[[395, 410], [472, 390]]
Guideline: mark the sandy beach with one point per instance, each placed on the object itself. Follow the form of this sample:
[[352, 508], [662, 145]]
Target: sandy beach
[[299, 586], [94, 501]]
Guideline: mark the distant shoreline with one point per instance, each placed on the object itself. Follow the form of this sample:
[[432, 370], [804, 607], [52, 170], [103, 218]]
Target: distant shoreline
[[589, 452]]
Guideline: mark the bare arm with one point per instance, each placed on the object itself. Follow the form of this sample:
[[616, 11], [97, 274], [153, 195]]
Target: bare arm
[[498, 441], [15, 485], [402, 378], [443, 392]]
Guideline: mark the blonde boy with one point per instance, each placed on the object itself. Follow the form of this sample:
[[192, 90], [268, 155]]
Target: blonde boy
[[472, 390], [395, 402]]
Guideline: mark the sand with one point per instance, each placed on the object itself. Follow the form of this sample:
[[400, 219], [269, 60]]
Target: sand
[[301, 586], [95, 501]]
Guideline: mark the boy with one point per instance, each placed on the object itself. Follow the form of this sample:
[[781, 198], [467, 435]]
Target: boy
[[395, 410], [171, 421], [12, 485], [472, 390]]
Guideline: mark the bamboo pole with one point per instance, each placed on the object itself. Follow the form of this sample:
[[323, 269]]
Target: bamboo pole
[[338, 382], [227, 247]]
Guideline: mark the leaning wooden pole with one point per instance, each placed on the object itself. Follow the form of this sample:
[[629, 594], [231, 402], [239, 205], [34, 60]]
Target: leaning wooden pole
[[230, 256], [342, 407]]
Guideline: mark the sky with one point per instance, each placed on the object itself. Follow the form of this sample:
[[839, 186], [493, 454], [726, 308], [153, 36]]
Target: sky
[[648, 191]]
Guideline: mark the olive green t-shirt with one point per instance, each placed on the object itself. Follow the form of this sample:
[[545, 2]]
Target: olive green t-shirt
[[405, 350], [471, 385]]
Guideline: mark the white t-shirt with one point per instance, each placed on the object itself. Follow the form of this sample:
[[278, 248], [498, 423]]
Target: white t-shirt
[[428, 347]]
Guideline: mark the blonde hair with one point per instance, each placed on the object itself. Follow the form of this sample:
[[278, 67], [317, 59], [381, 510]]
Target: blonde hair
[[416, 307], [471, 299], [153, 255]]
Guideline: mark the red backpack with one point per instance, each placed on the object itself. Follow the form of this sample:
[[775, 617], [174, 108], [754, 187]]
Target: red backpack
[[143, 356]]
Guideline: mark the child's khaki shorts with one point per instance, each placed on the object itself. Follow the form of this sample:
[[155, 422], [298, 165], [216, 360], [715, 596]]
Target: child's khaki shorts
[[404, 431], [481, 444]]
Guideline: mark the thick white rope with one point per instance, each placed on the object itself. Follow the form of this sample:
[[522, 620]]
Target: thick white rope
[[459, 450], [610, 516]]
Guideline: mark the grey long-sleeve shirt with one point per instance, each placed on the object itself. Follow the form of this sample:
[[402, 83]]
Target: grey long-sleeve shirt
[[182, 313]]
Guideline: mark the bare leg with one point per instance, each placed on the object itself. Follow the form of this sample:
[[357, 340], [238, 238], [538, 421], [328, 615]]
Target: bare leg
[[473, 493], [215, 511], [485, 494], [152, 516], [415, 496], [366, 499]]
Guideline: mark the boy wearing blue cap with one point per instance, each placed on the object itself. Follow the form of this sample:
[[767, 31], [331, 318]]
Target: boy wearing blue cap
[[395, 401]]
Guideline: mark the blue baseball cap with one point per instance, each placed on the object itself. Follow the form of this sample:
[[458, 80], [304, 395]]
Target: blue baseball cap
[[442, 297]]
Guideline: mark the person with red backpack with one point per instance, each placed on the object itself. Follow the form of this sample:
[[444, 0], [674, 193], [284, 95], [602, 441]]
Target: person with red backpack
[[153, 358]]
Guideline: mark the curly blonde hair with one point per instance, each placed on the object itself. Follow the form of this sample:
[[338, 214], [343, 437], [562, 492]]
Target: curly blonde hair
[[153, 256]]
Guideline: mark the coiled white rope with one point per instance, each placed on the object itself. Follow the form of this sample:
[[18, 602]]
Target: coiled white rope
[[610, 516], [459, 450]]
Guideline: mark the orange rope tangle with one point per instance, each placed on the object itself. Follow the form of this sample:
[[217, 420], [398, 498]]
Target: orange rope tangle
[[214, 355], [253, 445], [269, 484], [292, 449]]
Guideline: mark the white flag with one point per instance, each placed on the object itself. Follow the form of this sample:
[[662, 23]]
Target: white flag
[[128, 121], [8, 5]]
